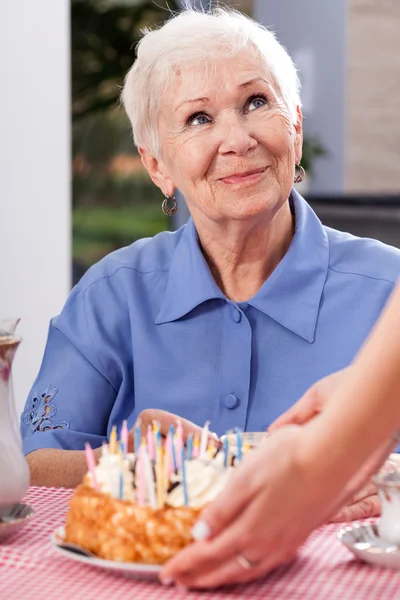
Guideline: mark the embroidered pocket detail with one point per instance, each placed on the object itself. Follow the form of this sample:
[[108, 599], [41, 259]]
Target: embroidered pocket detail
[[40, 412]]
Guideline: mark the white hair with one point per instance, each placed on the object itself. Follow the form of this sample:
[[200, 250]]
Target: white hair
[[194, 36]]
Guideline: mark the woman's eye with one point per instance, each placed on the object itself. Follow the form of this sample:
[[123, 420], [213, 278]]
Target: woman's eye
[[198, 119], [256, 102]]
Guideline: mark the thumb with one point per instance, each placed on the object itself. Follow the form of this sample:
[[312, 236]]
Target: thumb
[[304, 410]]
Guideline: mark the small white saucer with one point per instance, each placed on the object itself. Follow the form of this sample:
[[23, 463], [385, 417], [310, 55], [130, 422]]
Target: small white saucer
[[364, 541], [73, 552], [19, 515]]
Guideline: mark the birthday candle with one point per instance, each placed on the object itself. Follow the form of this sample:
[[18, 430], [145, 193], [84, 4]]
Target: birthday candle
[[189, 447], [246, 448], [173, 449], [124, 436], [160, 479], [196, 446], [166, 463], [140, 477], [148, 471], [184, 482], [179, 443], [104, 449], [226, 451], [204, 438], [91, 463], [239, 443], [137, 436], [113, 440], [150, 442]]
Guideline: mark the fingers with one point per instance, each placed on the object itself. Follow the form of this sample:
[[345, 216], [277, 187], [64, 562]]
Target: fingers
[[368, 507], [205, 568], [305, 409], [166, 419], [367, 490], [225, 508]]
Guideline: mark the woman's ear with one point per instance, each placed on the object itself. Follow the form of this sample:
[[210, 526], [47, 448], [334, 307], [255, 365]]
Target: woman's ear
[[156, 169], [298, 136]]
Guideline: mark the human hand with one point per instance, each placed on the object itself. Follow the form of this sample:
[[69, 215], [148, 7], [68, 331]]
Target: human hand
[[365, 502], [165, 419], [256, 517], [312, 403]]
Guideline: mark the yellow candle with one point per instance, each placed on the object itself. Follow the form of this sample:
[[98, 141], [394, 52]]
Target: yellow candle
[[196, 446], [160, 478], [113, 440]]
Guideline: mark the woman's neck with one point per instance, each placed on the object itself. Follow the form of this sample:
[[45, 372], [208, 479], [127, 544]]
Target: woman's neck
[[242, 255]]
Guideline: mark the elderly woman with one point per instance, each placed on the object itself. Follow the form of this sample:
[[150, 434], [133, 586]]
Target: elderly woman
[[235, 315]]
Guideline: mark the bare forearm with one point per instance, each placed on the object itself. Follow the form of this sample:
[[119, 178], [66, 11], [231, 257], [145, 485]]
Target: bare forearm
[[58, 468], [365, 409]]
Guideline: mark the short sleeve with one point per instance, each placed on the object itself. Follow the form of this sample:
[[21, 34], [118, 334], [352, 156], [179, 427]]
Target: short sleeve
[[72, 398]]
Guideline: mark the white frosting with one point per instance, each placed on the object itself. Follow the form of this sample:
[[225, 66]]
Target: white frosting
[[108, 476], [204, 480]]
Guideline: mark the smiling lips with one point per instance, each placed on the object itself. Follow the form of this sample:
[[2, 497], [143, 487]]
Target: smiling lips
[[244, 177]]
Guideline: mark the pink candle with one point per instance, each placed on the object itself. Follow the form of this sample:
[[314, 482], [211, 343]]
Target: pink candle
[[91, 463], [150, 442]]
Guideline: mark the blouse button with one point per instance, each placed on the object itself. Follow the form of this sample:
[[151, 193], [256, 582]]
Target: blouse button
[[231, 401], [236, 315]]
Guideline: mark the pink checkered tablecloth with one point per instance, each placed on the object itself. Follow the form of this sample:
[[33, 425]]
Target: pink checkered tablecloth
[[31, 569]]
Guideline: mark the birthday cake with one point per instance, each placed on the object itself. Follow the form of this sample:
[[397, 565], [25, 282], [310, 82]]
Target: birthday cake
[[141, 507]]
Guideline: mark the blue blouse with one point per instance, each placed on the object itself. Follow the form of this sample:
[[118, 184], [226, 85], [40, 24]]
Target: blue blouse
[[147, 327]]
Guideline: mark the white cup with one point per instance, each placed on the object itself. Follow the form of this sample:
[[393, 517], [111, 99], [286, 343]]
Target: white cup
[[388, 483]]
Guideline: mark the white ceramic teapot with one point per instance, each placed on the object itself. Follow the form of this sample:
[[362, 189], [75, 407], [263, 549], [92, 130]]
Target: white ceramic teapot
[[14, 470]]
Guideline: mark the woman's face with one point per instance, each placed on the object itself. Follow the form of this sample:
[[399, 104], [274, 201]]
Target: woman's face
[[227, 141]]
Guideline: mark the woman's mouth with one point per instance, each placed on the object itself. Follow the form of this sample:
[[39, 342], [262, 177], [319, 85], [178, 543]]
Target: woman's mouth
[[244, 177]]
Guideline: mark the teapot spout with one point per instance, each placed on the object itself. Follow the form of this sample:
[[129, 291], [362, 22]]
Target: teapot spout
[[8, 327]]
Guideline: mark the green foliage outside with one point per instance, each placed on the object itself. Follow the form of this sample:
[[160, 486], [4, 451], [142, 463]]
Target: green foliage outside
[[112, 205]]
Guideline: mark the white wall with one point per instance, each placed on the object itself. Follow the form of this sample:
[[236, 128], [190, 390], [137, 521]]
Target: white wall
[[34, 173]]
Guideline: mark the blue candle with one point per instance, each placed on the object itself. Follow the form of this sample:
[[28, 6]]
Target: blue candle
[[226, 451], [239, 442], [184, 484], [137, 439], [172, 436], [190, 446]]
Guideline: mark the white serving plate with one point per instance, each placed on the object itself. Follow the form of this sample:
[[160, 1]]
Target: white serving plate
[[78, 554]]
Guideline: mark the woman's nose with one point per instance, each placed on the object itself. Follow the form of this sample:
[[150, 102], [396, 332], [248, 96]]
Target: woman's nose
[[236, 138]]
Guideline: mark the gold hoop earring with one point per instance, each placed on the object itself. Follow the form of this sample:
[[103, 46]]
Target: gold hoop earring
[[170, 211], [300, 176]]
